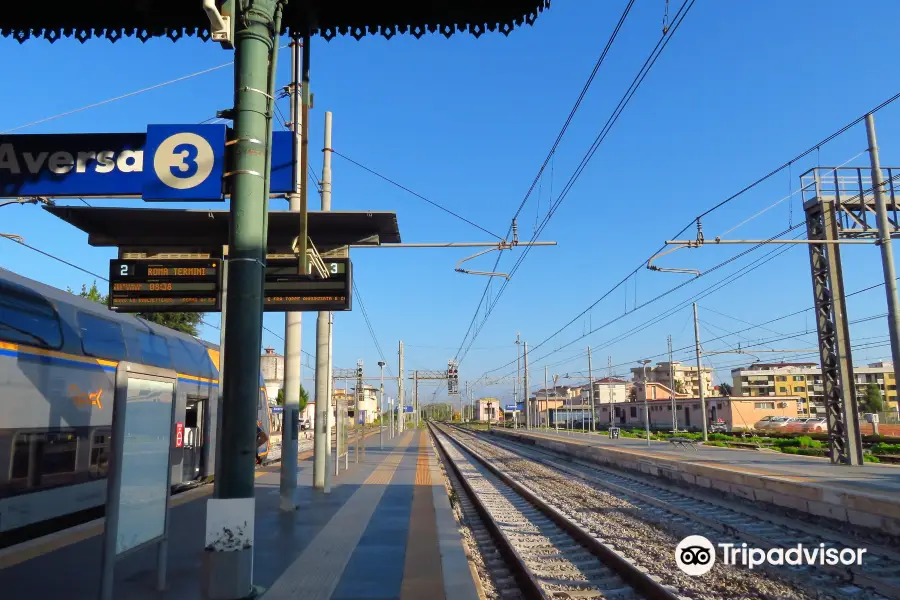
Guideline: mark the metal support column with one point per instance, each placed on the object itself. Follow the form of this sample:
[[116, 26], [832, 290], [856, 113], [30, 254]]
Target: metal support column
[[887, 252], [229, 574], [834, 334]]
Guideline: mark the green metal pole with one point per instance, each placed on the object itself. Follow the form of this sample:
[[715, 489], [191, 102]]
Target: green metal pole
[[229, 562], [249, 207]]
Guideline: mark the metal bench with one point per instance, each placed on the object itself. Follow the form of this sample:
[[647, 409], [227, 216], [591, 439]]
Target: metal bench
[[683, 442]]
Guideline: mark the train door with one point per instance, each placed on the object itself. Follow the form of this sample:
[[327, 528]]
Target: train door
[[194, 434]]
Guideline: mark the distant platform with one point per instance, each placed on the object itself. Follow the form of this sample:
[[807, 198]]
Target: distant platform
[[866, 496], [386, 530]]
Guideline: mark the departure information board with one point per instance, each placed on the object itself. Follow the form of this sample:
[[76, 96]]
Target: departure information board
[[164, 285], [286, 290]]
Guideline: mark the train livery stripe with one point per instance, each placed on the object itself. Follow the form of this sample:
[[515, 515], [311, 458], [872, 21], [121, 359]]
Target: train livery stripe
[[51, 356], [64, 359]]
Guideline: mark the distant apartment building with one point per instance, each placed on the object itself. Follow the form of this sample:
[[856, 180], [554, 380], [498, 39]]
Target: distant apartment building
[[683, 379], [804, 380], [607, 390]]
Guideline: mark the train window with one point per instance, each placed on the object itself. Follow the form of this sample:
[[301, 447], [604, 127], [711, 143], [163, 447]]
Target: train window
[[101, 337], [99, 452], [28, 318], [41, 454], [154, 350]]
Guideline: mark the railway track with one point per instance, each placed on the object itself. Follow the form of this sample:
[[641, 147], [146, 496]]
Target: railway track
[[547, 554], [878, 577]]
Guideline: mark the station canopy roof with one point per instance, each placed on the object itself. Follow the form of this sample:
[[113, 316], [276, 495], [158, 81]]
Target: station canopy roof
[[209, 229], [144, 19]]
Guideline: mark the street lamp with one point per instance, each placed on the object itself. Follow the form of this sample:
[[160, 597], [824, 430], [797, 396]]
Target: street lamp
[[646, 408], [381, 364]]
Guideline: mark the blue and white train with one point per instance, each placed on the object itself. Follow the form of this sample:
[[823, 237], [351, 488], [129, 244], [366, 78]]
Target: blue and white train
[[58, 357]]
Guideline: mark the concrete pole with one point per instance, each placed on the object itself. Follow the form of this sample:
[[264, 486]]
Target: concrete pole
[[332, 408], [292, 322], [381, 364], [700, 372], [416, 398], [672, 384], [646, 407], [230, 571], [525, 386], [518, 375], [611, 403], [322, 441], [591, 387], [546, 397], [400, 394], [887, 252]]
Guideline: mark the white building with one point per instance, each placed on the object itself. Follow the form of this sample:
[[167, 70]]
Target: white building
[[272, 366], [608, 390], [685, 378]]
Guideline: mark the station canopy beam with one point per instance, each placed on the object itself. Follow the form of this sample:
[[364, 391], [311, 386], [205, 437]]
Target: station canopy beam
[[145, 19], [206, 231]]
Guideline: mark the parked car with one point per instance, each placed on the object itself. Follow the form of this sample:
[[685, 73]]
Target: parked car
[[797, 424], [816, 425], [304, 423], [769, 423]]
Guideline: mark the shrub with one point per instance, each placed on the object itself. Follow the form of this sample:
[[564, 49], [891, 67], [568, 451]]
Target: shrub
[[870, 458], [884, 448]]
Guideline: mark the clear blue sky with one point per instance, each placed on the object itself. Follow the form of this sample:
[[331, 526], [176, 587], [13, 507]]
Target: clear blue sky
[[740, 89]]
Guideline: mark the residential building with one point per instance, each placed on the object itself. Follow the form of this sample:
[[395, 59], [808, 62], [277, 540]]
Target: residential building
[[607, 390], [272, 366], [655, 391], [686, 378], [804, 380], [738, 413]]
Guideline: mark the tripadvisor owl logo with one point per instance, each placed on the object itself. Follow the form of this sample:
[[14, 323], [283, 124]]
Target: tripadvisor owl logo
[[695, 555]]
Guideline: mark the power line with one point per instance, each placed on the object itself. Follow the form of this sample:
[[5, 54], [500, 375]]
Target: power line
[[369, 325], [416, 194], [614, 117], [538, 177], [65, 262]]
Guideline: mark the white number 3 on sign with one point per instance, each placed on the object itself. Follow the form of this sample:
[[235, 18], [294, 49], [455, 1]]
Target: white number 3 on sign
[[183, 161]]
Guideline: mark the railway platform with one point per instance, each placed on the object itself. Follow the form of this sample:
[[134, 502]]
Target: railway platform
[[863, 496], [385, 530]]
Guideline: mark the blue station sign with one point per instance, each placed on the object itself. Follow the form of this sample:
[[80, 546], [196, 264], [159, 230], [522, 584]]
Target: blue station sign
[[167, 163]]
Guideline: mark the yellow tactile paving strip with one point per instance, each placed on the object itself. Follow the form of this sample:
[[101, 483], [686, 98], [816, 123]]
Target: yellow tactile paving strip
[[315, 574], [423, 575]]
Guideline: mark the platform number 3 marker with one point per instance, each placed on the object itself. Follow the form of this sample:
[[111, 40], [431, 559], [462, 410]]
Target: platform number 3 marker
[[183, 161]]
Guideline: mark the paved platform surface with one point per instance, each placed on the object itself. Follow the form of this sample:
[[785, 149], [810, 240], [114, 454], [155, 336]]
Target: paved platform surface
[[870, 477], [386, 530]]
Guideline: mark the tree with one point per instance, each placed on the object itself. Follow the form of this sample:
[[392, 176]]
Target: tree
[[873, 402], [91, 294], [304, 397], [185, 322], [725, 389]]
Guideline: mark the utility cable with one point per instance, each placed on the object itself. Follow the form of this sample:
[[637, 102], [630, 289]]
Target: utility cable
[[416, 194], [617, 112]]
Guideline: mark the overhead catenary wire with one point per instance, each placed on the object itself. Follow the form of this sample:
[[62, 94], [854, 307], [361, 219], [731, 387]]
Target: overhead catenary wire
[[657, 51], [416, 194], [722, 203]]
